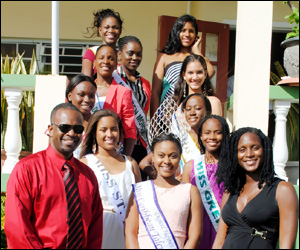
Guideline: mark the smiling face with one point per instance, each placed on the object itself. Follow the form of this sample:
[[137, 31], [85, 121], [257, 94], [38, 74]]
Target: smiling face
[[65, 143], [131, 56], [250, 152], [107, 133], [110, 30], [166, 158], [195, 111], [212, 135], [105, 61], [187, 35], [83, 97], [194, 76]]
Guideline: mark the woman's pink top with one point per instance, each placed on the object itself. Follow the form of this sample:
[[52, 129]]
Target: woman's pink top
[[175, 205]]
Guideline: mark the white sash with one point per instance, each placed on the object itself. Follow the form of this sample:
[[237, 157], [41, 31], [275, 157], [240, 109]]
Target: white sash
[[139, 115], [207, 195], [111, 189], [152, 216]]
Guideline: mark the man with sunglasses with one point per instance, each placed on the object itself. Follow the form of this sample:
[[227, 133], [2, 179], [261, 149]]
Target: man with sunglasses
[[53, 199]]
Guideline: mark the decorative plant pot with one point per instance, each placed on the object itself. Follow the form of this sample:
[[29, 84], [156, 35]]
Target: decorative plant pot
[[291, 56]]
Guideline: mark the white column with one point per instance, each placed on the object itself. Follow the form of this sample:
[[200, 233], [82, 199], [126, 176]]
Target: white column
[[12, 141], [280, 149], [252, 64], [55, 38]]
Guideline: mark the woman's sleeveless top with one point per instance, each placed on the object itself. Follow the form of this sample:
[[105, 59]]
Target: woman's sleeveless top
[[257, 226], [113, 235], [175, 205], [172, 72]]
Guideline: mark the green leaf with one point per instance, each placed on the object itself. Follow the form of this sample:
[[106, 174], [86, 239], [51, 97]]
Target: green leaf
[[33, 64], [6, 67]]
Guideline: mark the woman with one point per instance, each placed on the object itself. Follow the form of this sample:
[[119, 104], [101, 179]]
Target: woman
[[81, 92], [183, 40], [194, 79], [201, 170], [257, 207], [103, 134], [108, 25], [130, 55], [111, 95], [176, 206], [195, 107]]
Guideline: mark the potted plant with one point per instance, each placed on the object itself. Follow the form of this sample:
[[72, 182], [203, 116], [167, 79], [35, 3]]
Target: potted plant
[[291, 44]]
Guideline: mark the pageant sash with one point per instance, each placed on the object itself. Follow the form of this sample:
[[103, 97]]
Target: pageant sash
[[139, 115], [152, 216], [207, 195], [111, 189]]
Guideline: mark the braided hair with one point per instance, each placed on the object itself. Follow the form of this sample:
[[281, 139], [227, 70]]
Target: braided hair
[[231, 173]]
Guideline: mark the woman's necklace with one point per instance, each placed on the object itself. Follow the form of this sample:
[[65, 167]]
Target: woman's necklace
[[209, 159]]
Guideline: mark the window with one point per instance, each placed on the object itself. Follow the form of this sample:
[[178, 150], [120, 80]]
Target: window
[[70, 54]]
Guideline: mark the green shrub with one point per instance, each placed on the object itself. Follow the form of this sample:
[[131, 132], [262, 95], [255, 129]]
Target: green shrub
[[3, 236]]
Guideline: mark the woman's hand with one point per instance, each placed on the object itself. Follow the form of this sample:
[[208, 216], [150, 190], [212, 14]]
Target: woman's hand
[[195, 47]]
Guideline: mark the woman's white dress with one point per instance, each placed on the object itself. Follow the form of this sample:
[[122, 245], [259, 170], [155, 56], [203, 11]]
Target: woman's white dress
[[113, 235]]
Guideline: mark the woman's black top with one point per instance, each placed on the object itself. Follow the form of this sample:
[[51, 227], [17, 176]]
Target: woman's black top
[[257, 226]]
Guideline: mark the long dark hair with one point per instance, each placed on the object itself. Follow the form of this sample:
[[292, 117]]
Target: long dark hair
[[173, 44], [90, 136], [207, 88], [231, 173], [225, 130]]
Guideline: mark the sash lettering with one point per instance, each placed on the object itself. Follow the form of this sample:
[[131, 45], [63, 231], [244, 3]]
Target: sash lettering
[[152, 216], [208, 198]]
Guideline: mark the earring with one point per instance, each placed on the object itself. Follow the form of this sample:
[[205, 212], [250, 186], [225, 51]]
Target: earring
[[184, 89]]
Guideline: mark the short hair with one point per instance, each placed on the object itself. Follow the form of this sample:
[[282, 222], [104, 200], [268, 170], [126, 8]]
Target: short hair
[[166, 137], [231, 173], [204, 98], [67, 105], [224, 126], [127, 39], [207, 88], [91, 130], [77, 80], [173, 44], [106, 45]]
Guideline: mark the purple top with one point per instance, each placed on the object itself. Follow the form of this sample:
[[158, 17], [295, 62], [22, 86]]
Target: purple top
[[209, 233]]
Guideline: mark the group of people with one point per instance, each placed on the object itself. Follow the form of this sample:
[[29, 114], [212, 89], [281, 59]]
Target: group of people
[[102, 184]]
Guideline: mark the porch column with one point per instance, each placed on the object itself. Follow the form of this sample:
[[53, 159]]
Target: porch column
[[252, 65], [280, 149], [12, 141]]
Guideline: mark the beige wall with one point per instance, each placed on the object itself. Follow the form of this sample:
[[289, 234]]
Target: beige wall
[[32, 19]]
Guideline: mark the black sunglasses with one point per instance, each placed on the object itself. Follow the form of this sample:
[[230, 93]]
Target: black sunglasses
[[65, 128]]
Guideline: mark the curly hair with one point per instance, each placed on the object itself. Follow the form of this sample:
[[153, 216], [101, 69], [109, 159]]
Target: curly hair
[[207, 88], [127, 39], [231, 173], [173, 44], [225, 131], [91, 131], [99, 16]]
